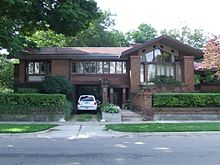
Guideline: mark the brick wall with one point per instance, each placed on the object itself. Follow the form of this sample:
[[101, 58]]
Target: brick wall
[[134, 73], [61, 67], [188, 72]]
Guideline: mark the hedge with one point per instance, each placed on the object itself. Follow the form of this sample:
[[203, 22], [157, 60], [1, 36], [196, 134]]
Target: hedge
[[29, 103], [176, 100]]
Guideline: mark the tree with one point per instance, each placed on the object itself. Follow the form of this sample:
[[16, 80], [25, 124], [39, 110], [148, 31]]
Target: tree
[[212, 54], [194, 38], [6, 72], [145, 32], [100, 34], [19, 19], [47, 39]]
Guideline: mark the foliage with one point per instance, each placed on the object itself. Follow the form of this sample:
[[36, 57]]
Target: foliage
[[145, 32], [163, 80], [212, 55], [57, 84], [29, 103], [27, 90], [24, 128], [68, 109], [33, 99], [101, 32], [165, 127], [109, 108], [47, 38], [19, 19], [6, 73], [194, 38], [186, 100]]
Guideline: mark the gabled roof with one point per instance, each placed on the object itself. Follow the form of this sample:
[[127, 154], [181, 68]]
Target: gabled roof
[[175, 44]]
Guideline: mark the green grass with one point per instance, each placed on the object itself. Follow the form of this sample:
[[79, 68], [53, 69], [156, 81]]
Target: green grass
[[83, 117], [165, 127], [24, 128]]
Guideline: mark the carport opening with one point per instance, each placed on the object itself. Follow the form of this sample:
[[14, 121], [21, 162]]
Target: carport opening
[[89, 90]]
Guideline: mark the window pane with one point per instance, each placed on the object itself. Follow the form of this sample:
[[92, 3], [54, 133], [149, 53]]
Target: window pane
[[37, 68], [142, 74], [119, 67], [158, 55], [112, 67], [42, 68], [168, 57], [151, 72], [74, 67], [106, 67], [99, 67], [89, 67], [30, 68], [148, 57], [124, 67], [80, 67]]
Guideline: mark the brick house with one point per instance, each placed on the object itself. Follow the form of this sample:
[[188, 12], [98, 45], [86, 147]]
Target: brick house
[[117, 71]]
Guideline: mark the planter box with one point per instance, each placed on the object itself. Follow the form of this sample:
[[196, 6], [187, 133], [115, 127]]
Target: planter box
[[111, 117]]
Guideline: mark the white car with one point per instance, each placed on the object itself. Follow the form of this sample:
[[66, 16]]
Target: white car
[[87, 102]]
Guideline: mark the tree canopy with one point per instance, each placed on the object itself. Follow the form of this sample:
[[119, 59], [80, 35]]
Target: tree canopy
[[185, 34], [19, 19], [143, 33], [212, 54], [100, 33]]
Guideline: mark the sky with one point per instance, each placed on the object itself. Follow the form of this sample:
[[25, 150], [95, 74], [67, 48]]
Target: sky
[[161, 14]]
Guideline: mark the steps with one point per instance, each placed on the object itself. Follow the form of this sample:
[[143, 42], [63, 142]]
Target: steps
[[130, 116]]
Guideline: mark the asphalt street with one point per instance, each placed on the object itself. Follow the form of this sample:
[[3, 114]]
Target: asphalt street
[[128, 150]]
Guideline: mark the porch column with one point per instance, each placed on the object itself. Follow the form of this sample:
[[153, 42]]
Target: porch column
[[123, 98], [104, 93], [189, 72], [111, 95]]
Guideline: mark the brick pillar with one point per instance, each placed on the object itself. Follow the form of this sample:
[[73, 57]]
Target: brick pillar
[[111, 95], [21, 69], [104, 93], [134, 73], [147, 101], [123, 97], [177, 72], [188, 73]]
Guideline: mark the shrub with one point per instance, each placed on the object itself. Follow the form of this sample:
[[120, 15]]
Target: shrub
[[68, 109], [186, 100], [29, 103], [57, 84], [110, 108], [27, 90]]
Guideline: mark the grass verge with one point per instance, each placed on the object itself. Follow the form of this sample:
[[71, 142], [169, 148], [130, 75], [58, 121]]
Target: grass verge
[[165, 127], [24, 128]]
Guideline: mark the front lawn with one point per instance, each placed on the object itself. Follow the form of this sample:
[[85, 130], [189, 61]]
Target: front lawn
[[165, 127], [24, 128]]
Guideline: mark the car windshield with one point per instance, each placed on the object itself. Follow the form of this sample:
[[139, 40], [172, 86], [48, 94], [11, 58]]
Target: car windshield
[[86, 98]]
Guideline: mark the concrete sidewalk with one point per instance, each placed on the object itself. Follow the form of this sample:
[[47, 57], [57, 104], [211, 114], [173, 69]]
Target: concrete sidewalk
[[79, 130]]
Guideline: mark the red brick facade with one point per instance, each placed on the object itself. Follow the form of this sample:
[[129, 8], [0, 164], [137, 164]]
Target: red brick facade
[[129, 83]]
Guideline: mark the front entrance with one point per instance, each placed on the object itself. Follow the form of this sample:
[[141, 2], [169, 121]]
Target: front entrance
[[117, 96]]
